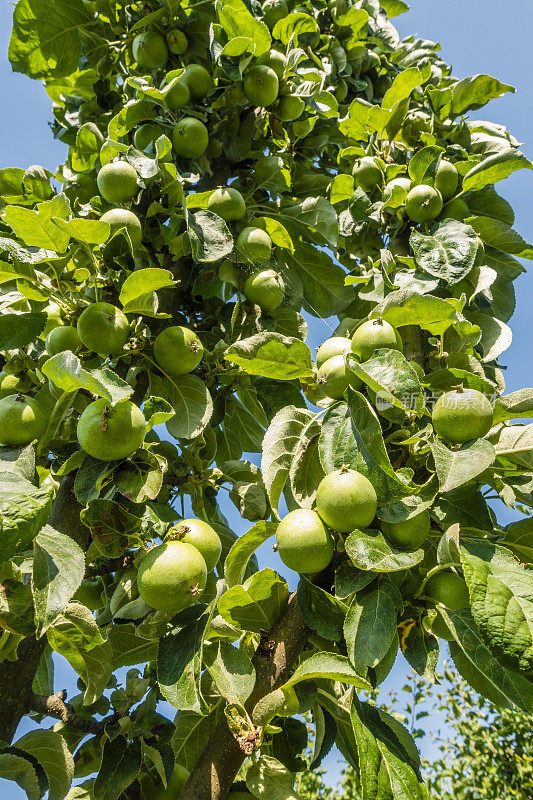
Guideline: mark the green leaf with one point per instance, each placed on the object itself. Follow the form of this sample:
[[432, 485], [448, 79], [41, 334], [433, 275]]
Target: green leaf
[[421, 649], [306, 473], [19, 330], [323, 280], [14, 767], [37, 228], [393, 8], [121, 762], [475, 92], [496, 336], [390, 375], [192, 732], [65, 372], [272, 355], [58, 570], [45, 37], [449, 253], [499, 235], [403, 84], [323, 612], [515, 443], [495, 168], [330, 666], [238, 23], [257, 604], [488, 203], [129, 647], [370, 625], [76, 636], [514, 405], [179, 662], [43, 683], [137, 294], [351, 435], [84, 791], [89, 231], [388, 758], [232, 672], [480, 668], [363, 119], [424, 163], [373, 552], [193, 407], [465, 505], [457, 467], [243, 549], [209, 236], [349, 580], [318, 214], [408, 307], [289, 433], [24, 509], [271, 172], [51, 751], [133, 112], [86, 153], [501, 593], [342, 187], [279, 235], [294, 25], [268, 777], [157, 411]]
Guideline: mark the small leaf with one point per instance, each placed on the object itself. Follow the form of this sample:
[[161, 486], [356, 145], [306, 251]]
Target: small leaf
[[65, 372], [330, 666], [243, 549], [272, 356], [501, 601], [457, 467], [76, 636], [495, 168], [257, 604], [323, 612], [179, 662], [421, 649], [475, 92], [290, 432], [19, 330], [139, 285], [370, 625], [373, 552], [58, 570], [121, 761], [51, 751], [193, 407], [232, 671], [389, 374], [210, 237]]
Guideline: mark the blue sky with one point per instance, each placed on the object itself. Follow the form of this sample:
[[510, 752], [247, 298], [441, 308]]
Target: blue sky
[[476, 38]]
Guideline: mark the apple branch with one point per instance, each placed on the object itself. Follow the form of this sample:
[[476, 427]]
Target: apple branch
[[214, 772]]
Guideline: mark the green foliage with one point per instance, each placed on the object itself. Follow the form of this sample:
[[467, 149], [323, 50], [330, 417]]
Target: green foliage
[[231, 167]]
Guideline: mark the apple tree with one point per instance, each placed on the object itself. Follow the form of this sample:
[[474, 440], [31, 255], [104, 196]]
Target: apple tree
[[234, 171]]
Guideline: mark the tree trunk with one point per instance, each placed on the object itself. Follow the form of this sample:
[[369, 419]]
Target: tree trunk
[[221, 759], [16, 677], [16, 681]]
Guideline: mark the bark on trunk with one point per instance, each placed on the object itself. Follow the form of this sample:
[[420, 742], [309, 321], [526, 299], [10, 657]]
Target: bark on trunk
[[16, 677], [221, 759]]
